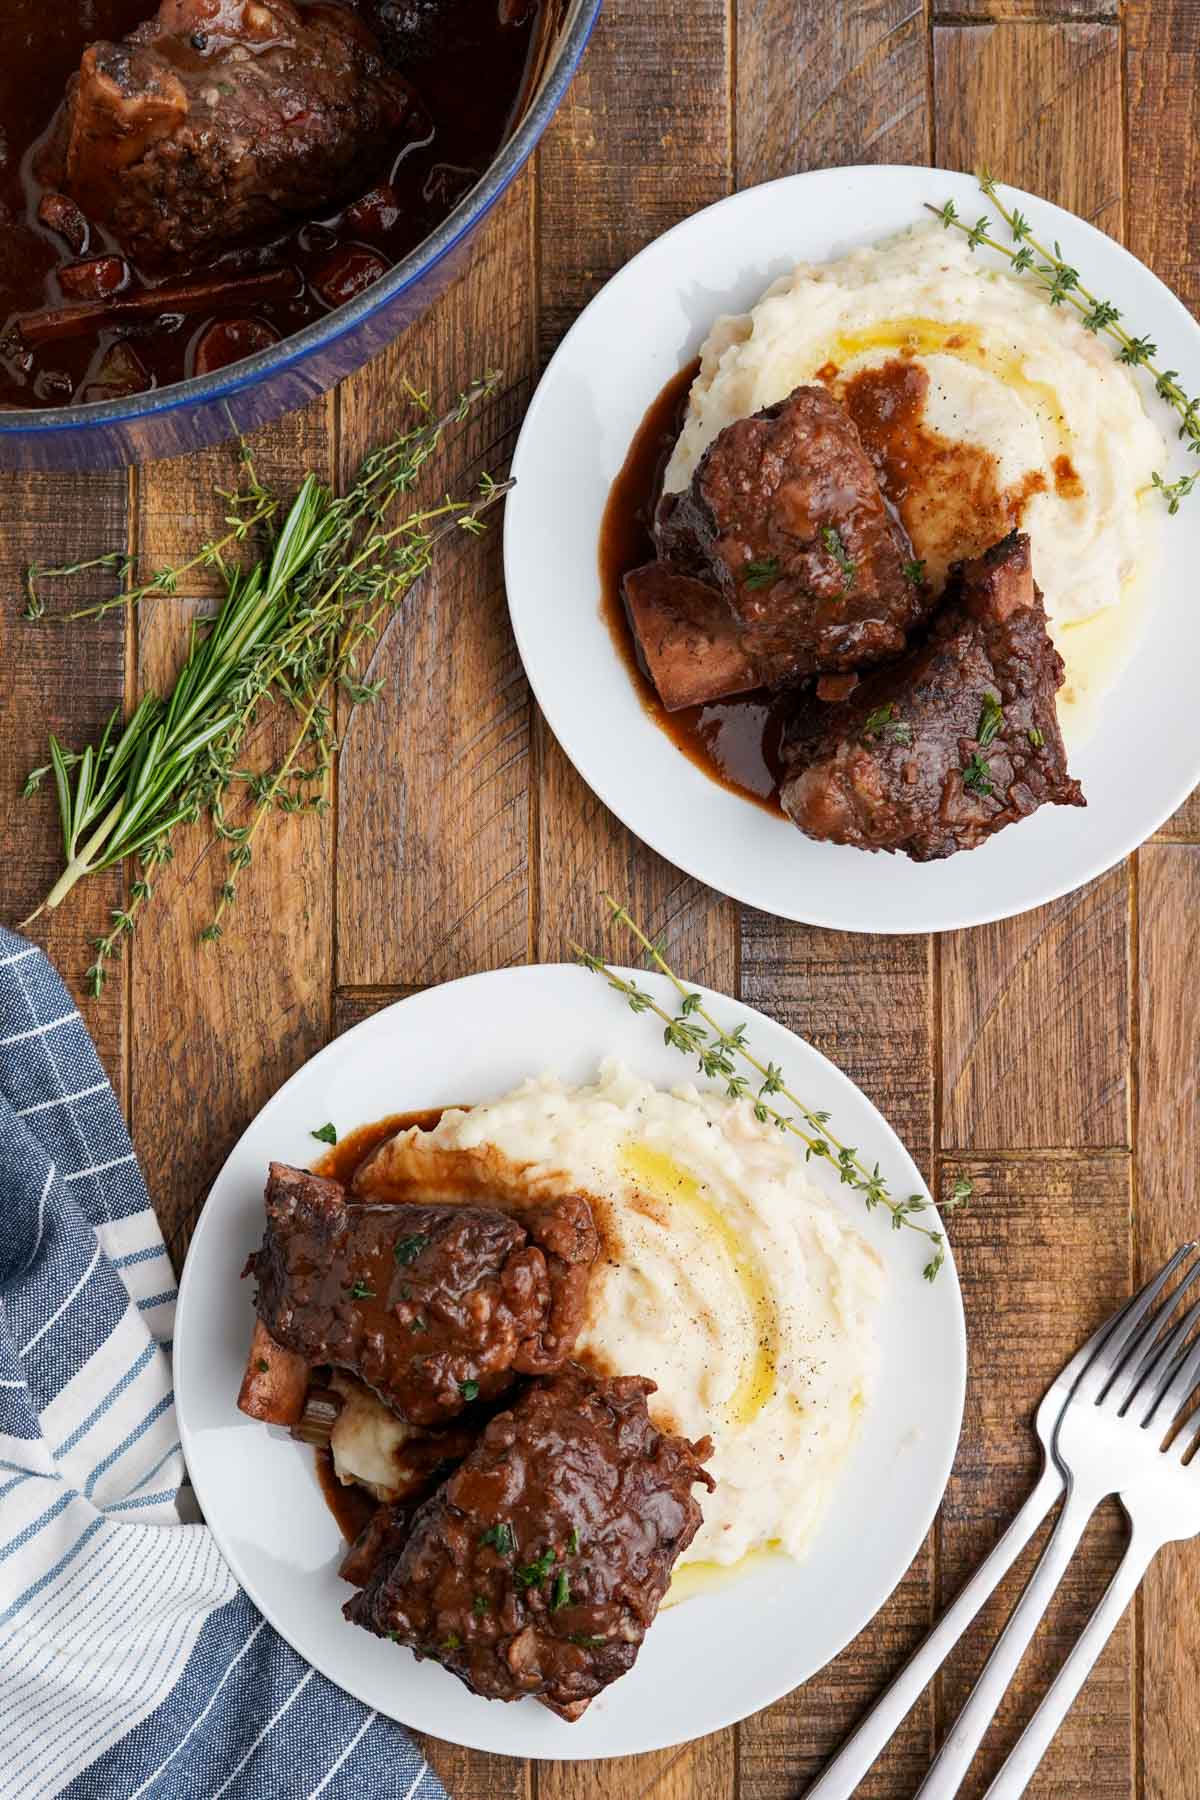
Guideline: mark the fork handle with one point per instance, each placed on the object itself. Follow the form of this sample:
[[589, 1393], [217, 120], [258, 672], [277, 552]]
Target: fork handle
[[841, 1778], [966, 1734], [1063, 1691]]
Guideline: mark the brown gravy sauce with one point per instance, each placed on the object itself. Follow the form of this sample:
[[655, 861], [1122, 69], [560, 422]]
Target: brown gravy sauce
[[352, 1507], [343, 1160], [948, 495], [734, 741]]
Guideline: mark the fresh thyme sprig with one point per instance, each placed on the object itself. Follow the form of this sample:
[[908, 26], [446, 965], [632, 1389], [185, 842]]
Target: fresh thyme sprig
[[1061, 284], [249, 506], [695, 1032], [288, 634]]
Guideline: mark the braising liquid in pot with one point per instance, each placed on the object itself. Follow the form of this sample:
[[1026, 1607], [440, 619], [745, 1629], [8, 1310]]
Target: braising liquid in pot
[[470, 62]]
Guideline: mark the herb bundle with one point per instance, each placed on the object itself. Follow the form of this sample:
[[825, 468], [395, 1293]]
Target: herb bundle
[[296, 620], [694, 1032], [1062, 285]]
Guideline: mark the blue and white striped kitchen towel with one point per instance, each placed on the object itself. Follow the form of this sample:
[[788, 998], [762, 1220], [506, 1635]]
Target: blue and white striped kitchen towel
[[130, 1662]]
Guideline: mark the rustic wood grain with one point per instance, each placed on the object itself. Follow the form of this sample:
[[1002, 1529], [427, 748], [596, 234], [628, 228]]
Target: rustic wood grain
[[1168, 1213], [1040, 12], [221, 1027], [822, 85], [464, 840], [64, 679], [1041, 105], [433, 803], [863, 1001], [860, 75], [1162, 53], [1043, 1255], [1035, 1026], [180, 501], [352, 1005], [705, 1768], [231, 1022], [643, 140]]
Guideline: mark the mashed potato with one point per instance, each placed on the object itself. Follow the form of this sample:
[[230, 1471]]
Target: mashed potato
[[725, 1276], [1023, 418]]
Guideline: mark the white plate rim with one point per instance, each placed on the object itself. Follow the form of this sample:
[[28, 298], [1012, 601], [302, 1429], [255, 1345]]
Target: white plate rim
[[566, 1747], [555, 711]]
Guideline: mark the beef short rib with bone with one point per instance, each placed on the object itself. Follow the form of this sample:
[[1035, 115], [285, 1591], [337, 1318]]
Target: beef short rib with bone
[[781, 560]]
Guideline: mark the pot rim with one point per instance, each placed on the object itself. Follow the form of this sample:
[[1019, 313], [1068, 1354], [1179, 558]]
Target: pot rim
[[277, 359]]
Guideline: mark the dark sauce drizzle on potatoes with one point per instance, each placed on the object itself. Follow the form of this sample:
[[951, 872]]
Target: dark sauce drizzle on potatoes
[[736, 742]]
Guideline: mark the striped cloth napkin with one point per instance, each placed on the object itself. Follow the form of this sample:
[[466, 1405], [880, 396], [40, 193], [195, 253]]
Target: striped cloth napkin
[[131, 1664]]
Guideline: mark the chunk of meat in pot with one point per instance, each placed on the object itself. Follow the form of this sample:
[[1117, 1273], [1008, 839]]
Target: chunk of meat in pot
[[219, 121], [433, 1307], [953, 743], [539, 1566]]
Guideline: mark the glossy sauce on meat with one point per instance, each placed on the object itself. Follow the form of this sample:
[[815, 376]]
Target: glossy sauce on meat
[[432, 1306], [470, 62], [737, 741], [734, 741], [539, 1566]]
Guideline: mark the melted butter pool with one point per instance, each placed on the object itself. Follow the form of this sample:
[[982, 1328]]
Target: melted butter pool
[[660, 1178], [702, 1577]]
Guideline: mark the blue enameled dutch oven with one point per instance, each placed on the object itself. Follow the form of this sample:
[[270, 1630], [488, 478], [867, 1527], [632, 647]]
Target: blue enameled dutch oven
[[168, 421]]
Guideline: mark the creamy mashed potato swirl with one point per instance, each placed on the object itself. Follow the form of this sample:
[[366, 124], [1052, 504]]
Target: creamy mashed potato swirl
[[1027, 418], [725, 1276]]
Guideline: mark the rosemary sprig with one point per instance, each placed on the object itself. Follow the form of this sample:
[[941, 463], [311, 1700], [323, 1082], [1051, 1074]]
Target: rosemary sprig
[[287, 634], [1061, 284], [695, 1032]]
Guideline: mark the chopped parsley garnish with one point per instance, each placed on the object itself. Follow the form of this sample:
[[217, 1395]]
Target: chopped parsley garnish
[[469, 1390], [360, 1291], [587, 1643], [990, 716], [262, 1365], [762, 574], [479, 1606], [395, 1636], [914, 572], [561, 1593], [409, 1248], [501, 1539], [573, 1542], [534, 1573], [975, 775], [450, 1643], [415, 1325], [883, 723], [831, 537], [1036, 737], [325, 1134]]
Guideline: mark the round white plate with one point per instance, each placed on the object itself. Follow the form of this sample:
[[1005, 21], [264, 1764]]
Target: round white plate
[[650, 321], [465, 1042]]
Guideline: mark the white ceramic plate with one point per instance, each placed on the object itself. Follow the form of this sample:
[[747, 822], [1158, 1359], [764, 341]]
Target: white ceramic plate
[[648, 323], [467, 1041]]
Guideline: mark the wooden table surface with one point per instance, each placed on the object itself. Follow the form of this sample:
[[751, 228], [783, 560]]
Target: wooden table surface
[[1053, 1058]]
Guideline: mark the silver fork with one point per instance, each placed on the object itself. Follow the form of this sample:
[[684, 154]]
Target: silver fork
[[1162, 1500], [840, 1779], [1102, 1449]]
